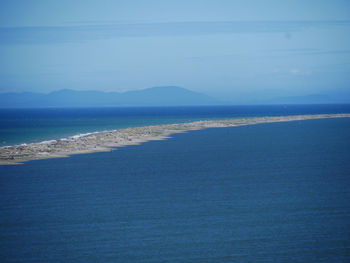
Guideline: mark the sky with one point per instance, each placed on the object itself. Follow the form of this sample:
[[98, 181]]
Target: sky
[[238, 51]]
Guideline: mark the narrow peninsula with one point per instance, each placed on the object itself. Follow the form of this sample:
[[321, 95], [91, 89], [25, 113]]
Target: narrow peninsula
[[110, 140]]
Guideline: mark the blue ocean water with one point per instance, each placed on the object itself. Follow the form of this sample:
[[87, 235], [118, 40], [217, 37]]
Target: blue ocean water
[[275, 192], [34, 125]]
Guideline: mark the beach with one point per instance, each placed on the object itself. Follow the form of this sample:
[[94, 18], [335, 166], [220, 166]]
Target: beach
[[255, 193], [110, 140]]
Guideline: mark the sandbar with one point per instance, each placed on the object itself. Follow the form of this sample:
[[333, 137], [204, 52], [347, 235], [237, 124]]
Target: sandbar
[[111, 140]]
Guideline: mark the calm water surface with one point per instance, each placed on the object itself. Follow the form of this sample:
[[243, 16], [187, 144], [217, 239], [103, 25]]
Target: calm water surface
[[34, 125], [268, 193]]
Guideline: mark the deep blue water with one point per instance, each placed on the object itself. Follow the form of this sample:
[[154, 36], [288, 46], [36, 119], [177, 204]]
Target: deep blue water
[[34, 125], [276, 192]]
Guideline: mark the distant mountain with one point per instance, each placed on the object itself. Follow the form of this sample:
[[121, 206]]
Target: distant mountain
[[312, 99], [157, 96]]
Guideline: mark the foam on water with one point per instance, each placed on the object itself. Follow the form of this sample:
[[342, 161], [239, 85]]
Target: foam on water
[[276, 192], [35, 125]]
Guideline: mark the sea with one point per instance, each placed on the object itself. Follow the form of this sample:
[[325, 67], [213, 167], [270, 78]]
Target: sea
[[18, 126], [275, 192]]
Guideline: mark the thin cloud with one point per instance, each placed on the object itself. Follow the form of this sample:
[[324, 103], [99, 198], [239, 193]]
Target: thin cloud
[[295, 71], [306, 52], [300, 72], [81, 33]]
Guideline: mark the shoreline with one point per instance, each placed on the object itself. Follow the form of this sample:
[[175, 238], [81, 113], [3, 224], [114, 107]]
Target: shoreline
[[110, 140]]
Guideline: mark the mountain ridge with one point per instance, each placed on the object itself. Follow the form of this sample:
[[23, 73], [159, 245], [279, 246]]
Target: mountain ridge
[[155, 96]]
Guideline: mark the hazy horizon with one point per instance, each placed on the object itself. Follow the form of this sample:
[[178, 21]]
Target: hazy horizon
[[234, 51]]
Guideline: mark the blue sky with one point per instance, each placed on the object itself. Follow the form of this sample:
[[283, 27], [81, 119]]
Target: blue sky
[[233, 50]]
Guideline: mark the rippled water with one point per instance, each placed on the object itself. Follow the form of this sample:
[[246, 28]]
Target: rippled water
[[34, 125], [275, 192]]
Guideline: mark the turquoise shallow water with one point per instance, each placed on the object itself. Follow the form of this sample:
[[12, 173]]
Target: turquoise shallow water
[[34, 125], [266, 193]]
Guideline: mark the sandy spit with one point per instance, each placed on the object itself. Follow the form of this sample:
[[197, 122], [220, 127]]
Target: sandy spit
[[110, 140]]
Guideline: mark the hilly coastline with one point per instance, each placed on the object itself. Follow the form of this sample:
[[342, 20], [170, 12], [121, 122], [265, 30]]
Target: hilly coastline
[[156, 96]]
